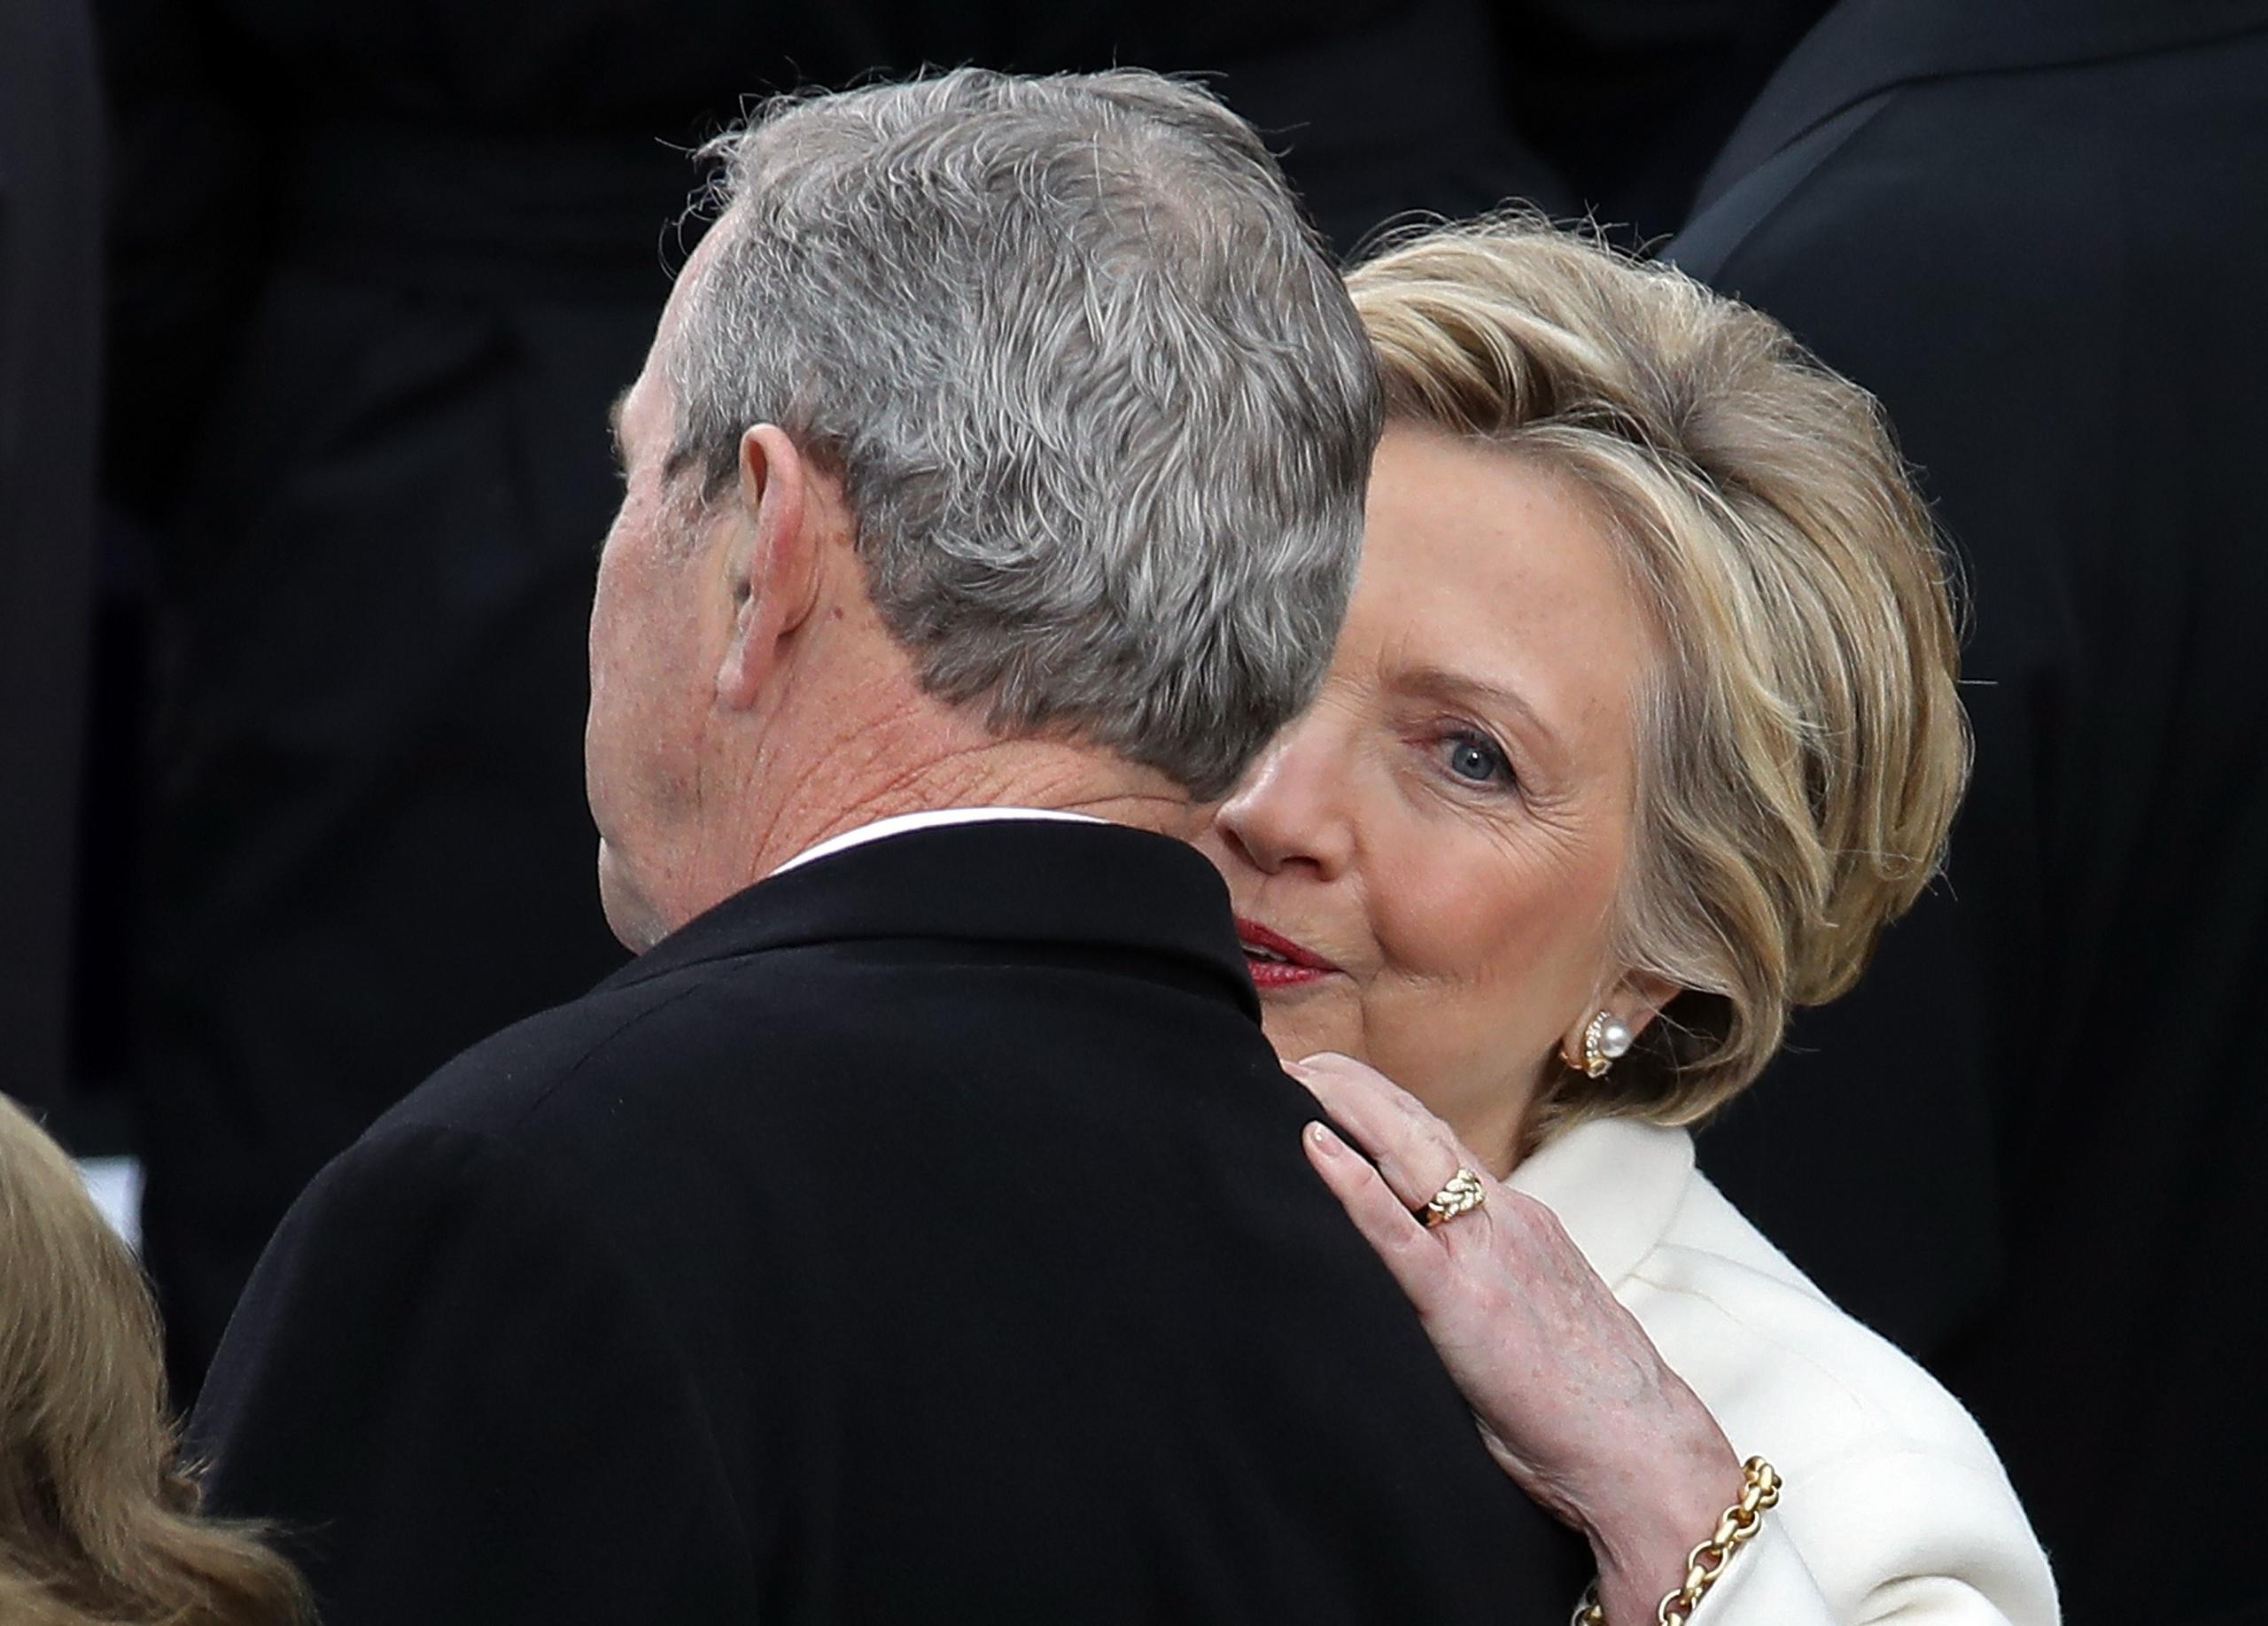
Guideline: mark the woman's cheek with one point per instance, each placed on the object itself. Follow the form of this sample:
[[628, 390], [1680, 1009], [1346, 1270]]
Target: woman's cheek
[[1432, 917]]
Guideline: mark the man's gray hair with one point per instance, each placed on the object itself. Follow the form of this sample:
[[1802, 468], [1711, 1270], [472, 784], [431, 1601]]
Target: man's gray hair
[[1098, 400]]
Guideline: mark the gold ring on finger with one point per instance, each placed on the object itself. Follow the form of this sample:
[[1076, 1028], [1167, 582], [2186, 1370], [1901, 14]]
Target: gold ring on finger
[[1463, 1194]]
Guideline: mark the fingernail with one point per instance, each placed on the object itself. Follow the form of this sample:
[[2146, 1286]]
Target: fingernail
[[1297, 1069], [1320, 1137]]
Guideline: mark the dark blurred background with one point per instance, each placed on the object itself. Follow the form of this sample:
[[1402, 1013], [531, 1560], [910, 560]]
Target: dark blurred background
[[309, 317]]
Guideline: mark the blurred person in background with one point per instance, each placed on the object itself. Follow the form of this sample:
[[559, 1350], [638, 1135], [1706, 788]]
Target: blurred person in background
[[1626, 101], [2024, 1148], [376, 273], [50, 239], [98, 1522]]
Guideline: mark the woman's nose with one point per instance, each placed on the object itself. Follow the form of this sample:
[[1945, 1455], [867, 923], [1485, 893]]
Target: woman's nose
[[1293, 808]]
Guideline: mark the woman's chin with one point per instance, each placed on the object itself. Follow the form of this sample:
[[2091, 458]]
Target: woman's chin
[[1296, 1035]]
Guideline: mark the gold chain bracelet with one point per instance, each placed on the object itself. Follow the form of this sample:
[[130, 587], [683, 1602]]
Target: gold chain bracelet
[[1706, 1561]]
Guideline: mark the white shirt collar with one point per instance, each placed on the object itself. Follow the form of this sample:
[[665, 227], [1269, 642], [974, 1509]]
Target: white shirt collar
[[1616, 1184], [881, 830]]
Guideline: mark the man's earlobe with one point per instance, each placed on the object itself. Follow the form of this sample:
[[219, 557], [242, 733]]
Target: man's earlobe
[[747, 658]]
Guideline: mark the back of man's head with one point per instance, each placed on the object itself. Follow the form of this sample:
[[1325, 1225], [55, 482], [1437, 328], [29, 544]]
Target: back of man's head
[[1098, 403]]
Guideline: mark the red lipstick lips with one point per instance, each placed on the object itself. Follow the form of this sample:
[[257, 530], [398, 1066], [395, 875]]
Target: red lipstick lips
[[1276, 961]]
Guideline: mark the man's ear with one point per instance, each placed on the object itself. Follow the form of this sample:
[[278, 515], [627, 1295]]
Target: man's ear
[[774, 564]]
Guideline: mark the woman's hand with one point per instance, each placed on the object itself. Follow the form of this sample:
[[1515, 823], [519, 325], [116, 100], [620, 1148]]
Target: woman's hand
[[1572, 1399]]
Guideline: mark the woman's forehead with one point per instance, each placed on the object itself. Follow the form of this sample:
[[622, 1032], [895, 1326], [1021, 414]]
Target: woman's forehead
[[1487, 571]]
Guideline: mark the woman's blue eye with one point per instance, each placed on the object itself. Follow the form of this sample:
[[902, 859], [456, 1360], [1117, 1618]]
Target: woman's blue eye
[[1477, 760]]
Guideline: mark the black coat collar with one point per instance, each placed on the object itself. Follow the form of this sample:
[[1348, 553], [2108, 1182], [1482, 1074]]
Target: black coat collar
[[1026, 881], [1862, 48]]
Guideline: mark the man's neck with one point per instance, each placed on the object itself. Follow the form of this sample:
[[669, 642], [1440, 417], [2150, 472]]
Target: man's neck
[[1039, 774], [846, 738]]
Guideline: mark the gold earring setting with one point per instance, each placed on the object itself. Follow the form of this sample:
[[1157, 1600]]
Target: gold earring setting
[[1605, 1041]]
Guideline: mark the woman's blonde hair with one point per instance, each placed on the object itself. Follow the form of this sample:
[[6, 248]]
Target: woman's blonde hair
[[97, 1518], [1803, 751]]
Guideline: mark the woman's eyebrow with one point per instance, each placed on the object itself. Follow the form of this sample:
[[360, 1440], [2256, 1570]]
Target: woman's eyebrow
[[1479, 695]]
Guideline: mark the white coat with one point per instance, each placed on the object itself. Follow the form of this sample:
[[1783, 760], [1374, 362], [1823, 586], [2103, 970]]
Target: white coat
[[1894, 1506]]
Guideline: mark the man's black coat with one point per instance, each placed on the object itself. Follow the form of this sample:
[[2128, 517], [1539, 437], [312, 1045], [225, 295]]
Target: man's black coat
[[922, 1234], [2025, 1145]]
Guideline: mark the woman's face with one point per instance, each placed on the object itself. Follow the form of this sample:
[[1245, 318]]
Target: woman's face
[[1441, 837]]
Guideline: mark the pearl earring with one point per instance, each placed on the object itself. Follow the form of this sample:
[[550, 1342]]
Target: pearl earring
[[1605, 1041]]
